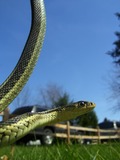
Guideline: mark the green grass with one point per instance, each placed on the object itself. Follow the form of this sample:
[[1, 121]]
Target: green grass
[[65, 152]]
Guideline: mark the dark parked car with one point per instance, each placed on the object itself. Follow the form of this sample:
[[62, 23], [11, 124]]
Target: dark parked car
[[109, 125], [44, 134]]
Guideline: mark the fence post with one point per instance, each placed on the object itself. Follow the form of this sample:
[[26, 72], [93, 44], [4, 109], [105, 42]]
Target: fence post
[[6, 114], [68, 132], [98, 133]]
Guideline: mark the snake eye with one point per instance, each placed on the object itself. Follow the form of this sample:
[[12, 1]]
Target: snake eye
[[81, 103]]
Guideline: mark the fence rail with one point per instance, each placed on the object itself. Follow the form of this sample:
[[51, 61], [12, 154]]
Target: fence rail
[[94, 134]]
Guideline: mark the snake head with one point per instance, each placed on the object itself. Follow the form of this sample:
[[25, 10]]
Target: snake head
[[70, 111]]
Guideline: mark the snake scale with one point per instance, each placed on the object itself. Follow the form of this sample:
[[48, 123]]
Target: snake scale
[[17, 127]]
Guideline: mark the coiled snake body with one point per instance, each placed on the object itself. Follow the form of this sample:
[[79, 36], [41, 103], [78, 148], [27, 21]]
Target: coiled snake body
[[17, 127]]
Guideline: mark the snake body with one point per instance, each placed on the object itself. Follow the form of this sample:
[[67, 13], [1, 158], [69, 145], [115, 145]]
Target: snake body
[[14, 83], [17, 127]]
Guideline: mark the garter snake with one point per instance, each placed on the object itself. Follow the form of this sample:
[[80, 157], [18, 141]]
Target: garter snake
[[17, 127]]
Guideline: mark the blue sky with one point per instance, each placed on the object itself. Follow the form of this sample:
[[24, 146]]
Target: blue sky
[[79, 33]]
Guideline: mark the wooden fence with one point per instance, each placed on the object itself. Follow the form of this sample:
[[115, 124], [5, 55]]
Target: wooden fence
[[87, 133]]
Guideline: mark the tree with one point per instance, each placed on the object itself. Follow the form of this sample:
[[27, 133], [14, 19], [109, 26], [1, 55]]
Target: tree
[[63, 100], [115, 54], [88, 120], [53, 96]]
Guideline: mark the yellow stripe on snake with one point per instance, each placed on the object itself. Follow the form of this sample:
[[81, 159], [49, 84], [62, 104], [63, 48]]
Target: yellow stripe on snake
[[17, 127]]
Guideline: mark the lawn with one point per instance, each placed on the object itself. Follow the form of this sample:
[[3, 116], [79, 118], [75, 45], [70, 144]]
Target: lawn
[[64, 152]]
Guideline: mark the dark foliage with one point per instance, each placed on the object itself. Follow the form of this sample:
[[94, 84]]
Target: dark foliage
[[115, 53]]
